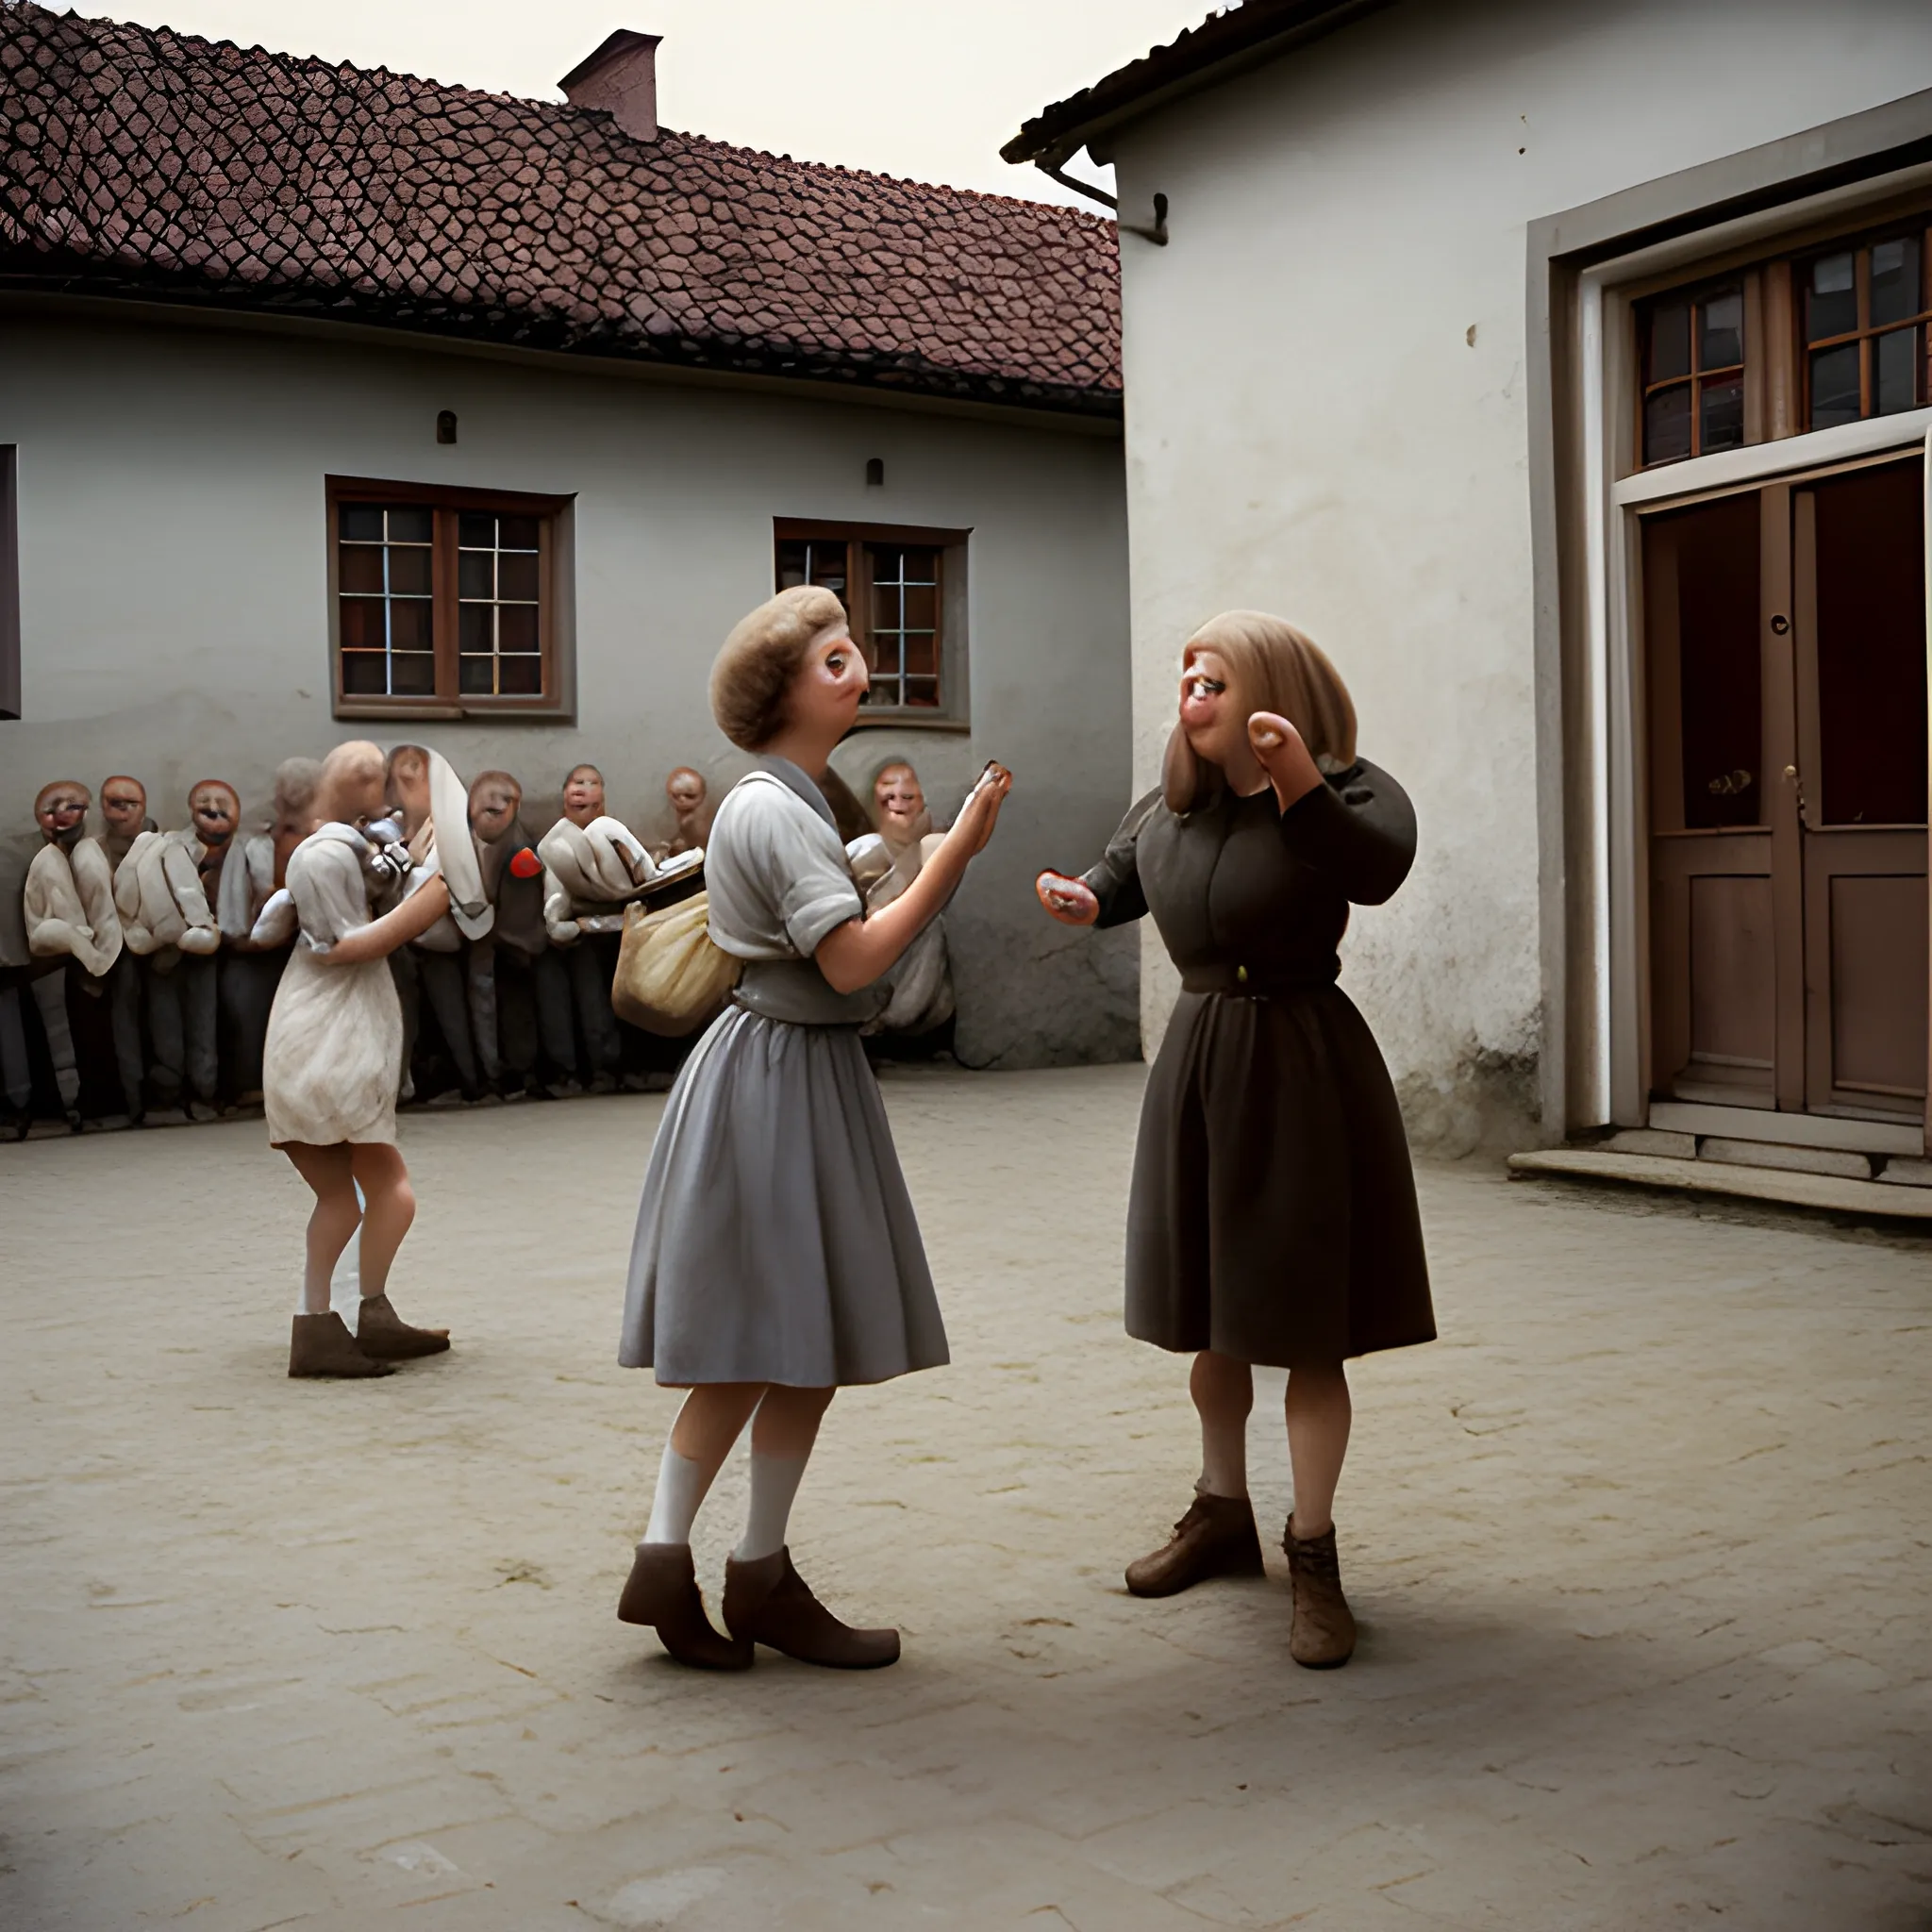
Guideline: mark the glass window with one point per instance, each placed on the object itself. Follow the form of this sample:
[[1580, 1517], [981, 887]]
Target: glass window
[[440, 601], [1693, 373], [1859, 360]]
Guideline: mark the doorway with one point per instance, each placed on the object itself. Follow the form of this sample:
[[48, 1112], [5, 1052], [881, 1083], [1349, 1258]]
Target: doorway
[[1784, 658]]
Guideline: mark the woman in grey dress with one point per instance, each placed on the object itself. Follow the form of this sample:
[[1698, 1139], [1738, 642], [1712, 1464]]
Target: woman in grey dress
[[777, 1253], [1273, 1214]]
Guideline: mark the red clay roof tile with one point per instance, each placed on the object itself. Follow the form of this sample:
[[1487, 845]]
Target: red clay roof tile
[[150, 163]]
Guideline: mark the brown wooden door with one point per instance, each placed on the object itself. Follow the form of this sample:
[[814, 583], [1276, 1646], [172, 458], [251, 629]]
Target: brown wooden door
[[1784, 658]]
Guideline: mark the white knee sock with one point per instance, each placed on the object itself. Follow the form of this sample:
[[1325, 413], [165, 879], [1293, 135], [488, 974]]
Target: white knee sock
[[1224, 1459], [681, 1485], [775, 1481]]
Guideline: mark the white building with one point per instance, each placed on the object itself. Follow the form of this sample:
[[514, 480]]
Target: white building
[[339, 404], [1450, 308]]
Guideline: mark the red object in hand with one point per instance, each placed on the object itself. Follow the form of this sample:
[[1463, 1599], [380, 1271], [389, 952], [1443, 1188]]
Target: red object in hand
[[525, 864]]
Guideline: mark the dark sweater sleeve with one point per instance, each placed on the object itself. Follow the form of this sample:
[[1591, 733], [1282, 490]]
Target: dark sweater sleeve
[[1359, 833], [1116, 880]]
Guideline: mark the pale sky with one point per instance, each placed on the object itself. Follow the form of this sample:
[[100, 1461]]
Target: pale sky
[[905, 87]]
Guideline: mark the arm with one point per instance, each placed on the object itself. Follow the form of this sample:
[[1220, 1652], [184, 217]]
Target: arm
[[1110, 892], [856, 954], [1361, 838], [381, 936]]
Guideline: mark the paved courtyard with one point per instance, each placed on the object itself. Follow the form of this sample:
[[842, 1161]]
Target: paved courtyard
[[1640, 1549]]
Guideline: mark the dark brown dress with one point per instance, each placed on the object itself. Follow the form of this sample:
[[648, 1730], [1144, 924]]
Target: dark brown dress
[[1273, 1214]]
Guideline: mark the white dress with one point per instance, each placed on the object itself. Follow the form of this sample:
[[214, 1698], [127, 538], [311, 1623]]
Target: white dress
[[334, 1056]]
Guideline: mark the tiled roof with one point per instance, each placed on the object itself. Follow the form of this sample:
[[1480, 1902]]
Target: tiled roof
[[1228, 42], [153, 164]]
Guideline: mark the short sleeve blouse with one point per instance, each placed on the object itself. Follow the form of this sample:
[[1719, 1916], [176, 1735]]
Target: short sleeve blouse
[[776, 873], [327, 883]]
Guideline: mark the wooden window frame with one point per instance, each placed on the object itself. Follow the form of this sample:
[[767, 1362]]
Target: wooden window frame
[[950, 713], [1860, 245], [553, 700], [1695, 295], [1778, 402], [10, 581]]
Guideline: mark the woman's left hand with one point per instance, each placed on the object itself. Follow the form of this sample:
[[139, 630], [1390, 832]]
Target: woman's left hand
[[1283, 755]]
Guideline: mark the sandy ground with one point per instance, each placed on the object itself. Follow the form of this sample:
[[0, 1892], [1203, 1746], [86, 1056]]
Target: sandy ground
[[1640, 1549]]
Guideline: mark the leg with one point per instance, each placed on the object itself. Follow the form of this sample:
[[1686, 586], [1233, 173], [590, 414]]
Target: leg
[[766, 1601], [590, 980], [320, 1345], [130, 1063], [389, 1206], [443, 988], [1318, 1413], [16, 1069], [402, 968], [1216, 1536], [479, 985], [248, 982], [554, 1028], [165, 1028], [662, 1588], [197, 975], [516, 1018], [50, 998]]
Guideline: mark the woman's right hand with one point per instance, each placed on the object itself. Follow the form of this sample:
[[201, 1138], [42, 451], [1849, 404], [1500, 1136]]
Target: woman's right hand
[[982, 811], [1069, 901]]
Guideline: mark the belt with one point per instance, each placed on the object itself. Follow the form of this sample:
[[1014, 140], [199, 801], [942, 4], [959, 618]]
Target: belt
[[795, 991], [1257, 982]]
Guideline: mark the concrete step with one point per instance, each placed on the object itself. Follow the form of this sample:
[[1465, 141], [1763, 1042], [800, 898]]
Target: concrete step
[[1703, 1176]]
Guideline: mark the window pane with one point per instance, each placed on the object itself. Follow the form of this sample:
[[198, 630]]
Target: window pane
[[1721, 329], [365, 674], [885, 606], [1723, 404], [922, 655], [474, 678], [516, 628], [793, 565], [412, 673], [361, 568], [516, 533], [922, 606], [1895, 281], [516, 576], [408, 624], [476, 574], [1831, 297], [362, 523], [1895, 371], [364, 623], [412, 526], [1835, 386], [921, 690], [1669, 349], [885, 651], [1667, 424], [521, 678], [409, 572], [476, 627], [477, 530]]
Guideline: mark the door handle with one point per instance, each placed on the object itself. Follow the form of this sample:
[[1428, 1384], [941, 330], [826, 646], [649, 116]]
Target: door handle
[[1797, 784]]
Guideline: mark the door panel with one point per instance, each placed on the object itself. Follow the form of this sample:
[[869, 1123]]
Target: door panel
[[1877, 1009]]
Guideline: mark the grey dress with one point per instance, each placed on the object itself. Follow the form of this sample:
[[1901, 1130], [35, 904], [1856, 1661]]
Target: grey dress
[[776, 1241]]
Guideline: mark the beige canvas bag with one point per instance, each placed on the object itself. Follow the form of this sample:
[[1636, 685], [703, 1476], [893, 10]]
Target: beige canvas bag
[[671, 978]]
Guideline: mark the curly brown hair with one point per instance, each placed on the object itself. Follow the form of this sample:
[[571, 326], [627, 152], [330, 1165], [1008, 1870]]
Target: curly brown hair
[[760, 657]]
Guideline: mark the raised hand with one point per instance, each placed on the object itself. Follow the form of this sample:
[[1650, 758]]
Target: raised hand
[[982, 811], [1283, 755], [1069, 901]]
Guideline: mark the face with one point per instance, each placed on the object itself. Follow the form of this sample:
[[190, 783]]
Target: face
[[685, 790], [826, 688], [1214, 713], [212, 813], [124, 805], [61, 810], [583, 795], [898, 793], [494, 812], [408, 787], [357, 798]]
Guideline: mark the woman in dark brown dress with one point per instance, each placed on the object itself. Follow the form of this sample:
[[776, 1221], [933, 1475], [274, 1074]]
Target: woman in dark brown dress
[[1274, 1215]]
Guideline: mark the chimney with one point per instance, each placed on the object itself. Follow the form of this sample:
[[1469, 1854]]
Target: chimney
[[621, 77]]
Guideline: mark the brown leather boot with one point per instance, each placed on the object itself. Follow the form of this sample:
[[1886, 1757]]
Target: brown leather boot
[[382, 1333], [766, 1601], [1216, 1537], [662, 1592], [1322, 1635], [322, 1345]]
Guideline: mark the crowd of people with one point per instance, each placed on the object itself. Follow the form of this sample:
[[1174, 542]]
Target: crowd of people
[[151, 978]]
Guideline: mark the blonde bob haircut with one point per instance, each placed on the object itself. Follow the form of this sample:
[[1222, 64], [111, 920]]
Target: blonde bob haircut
[[760, 657], [1272, 667]]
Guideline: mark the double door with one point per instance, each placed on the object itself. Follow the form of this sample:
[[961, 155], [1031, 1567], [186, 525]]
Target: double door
[[1785, 659]]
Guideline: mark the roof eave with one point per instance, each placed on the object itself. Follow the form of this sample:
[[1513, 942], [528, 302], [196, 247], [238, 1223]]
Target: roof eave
[[1232, 45]]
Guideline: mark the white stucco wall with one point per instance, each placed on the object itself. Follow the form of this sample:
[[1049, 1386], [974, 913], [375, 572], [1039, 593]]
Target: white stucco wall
[[175, 622], [1327, 413]]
